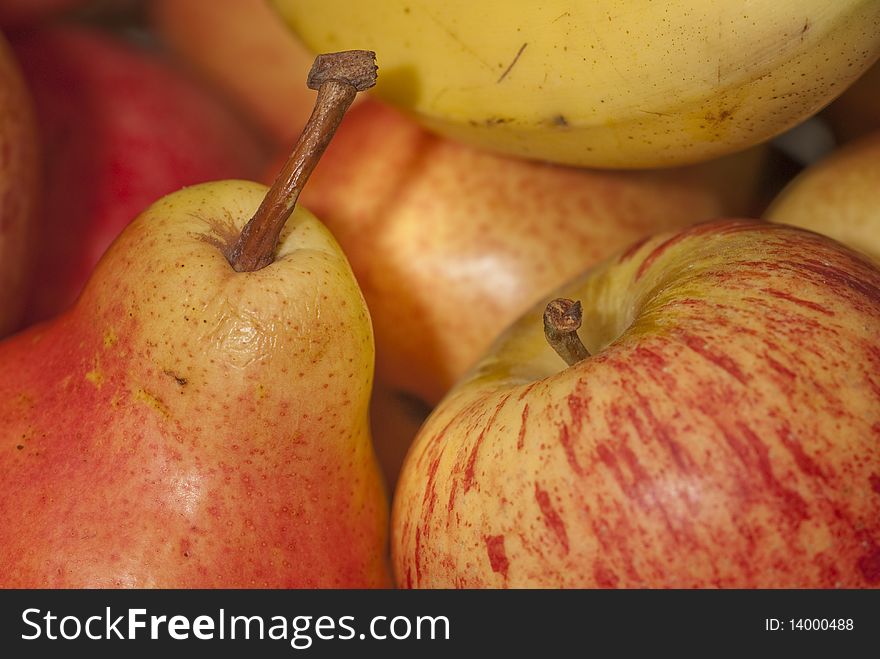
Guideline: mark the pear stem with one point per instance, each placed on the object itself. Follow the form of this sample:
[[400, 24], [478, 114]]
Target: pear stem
[[338, 77], [562, 318]]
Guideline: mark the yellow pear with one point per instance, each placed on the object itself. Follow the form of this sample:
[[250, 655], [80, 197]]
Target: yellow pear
[[199, 417]]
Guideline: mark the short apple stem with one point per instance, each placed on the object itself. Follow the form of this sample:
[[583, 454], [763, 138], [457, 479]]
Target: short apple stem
[[338, 77], [562, 318]]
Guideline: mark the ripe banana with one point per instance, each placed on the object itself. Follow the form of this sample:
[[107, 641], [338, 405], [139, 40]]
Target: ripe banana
[[611, 83]]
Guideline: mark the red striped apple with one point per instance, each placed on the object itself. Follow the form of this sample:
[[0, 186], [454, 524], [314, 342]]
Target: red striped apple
[[837, 196], [724, 430]]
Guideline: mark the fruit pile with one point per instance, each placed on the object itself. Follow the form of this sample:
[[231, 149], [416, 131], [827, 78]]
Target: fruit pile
[[569, 294]]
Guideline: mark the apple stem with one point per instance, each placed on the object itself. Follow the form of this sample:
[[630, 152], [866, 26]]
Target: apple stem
[[562, 318], [338, 77]]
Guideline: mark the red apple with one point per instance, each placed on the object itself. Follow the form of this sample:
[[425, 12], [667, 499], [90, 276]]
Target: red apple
[[120, 128], [18, 188], [724, 432]]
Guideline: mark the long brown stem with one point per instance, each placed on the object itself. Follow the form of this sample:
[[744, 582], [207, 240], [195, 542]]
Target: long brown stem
[[338, 77], [562, 318]]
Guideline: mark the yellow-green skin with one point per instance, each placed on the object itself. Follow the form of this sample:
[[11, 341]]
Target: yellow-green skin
[[608, 83]]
